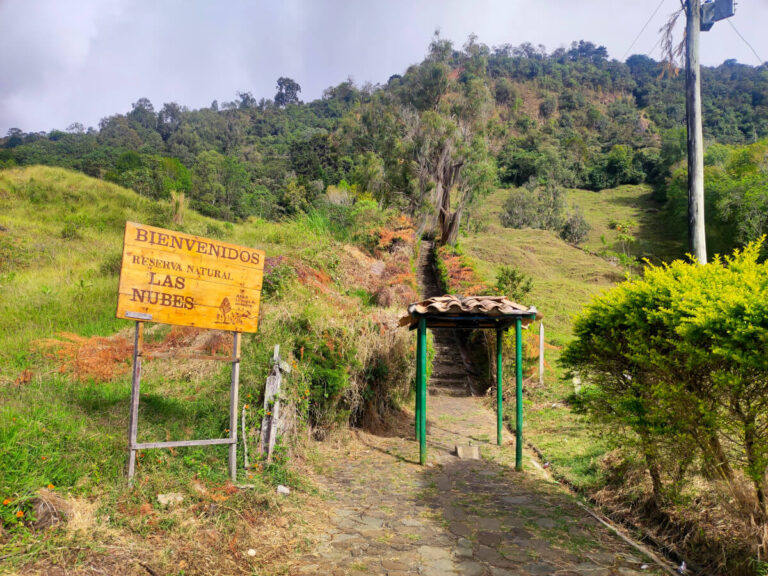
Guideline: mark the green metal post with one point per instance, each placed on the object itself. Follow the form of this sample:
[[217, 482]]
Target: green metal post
[[499, 391], [422, 391], [417, 423], [519, 393]]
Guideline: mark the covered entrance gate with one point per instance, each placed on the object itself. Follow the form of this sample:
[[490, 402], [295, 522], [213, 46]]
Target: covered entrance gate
[[472, 312]]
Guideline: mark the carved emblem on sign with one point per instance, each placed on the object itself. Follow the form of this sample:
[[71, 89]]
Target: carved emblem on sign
[[224, 311]]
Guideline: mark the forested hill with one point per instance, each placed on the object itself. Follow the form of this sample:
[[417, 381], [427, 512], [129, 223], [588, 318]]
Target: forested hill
[[463, 120]]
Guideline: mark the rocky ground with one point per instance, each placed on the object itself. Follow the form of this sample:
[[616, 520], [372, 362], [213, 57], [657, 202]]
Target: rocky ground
[[455, 516]]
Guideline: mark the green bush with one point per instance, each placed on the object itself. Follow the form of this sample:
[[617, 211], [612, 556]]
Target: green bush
[[330, 356], [676, 366], [111, 265], [575, 227], [534, 206], [513, 283], [277, 275], [13, 253]]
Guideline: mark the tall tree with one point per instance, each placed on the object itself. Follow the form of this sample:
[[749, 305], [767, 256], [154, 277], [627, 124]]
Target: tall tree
[[451, 152], [143, 114], [169, 119], [287, 92]]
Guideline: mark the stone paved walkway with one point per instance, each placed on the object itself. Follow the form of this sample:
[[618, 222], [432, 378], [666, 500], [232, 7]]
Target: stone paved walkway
[[454, 517]]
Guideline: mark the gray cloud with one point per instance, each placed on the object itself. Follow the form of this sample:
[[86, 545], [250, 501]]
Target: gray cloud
[[62, 62]]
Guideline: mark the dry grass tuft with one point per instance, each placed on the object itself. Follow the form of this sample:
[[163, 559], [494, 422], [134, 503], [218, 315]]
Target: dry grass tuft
[[102, 359], [96, 358]]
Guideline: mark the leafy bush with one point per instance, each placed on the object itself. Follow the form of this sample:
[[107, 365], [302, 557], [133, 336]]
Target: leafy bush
[[676, 367], [513, 283], [331, 357], [617, 167], [575, 228], [547, 107], [13, 253], [534, 206], [736, 182], [386, 370]]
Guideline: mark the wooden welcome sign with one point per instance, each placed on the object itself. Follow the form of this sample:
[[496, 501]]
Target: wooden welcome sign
[[176, 278]]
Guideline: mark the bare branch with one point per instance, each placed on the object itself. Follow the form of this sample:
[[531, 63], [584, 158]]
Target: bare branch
[[671, 53]]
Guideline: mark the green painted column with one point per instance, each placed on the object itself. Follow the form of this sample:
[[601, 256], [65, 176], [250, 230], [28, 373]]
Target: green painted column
[[417, 422], [519, 393], [422, 370], [499, 391]]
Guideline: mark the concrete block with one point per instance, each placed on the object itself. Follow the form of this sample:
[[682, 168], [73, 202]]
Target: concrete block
[[468, 452]]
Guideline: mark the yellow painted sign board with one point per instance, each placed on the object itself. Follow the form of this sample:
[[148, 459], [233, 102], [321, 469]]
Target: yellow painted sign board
[[176, 278]]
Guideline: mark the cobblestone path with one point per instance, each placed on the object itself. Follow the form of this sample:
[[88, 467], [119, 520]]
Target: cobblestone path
[[454, 517]]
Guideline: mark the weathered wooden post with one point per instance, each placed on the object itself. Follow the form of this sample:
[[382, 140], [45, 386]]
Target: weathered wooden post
[[499, 391], [422, 370], [234, 396], [541, 352], [271, 422], [133, 425], [519, 393]]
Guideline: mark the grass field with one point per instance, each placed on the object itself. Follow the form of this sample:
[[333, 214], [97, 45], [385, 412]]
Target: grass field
[[62, 428], [565, 278]]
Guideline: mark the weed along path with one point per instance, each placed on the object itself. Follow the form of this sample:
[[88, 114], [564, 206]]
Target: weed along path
[[471, 517]]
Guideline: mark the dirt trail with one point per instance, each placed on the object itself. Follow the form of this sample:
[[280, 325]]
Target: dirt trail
[[391, 516]]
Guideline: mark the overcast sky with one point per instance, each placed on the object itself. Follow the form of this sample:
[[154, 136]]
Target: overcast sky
[[80, 60]]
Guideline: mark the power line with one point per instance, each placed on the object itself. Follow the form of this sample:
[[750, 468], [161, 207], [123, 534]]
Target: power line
[[643, 29], [760, 60], [650, 52]]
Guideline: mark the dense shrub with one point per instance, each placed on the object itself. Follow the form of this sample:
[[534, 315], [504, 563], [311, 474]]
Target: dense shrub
[[617, 167], [575, 227], [676, 366], [278, 274], [534, 206], [513, 283]]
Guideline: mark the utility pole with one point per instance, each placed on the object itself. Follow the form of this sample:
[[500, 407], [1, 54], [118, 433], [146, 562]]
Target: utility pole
[[697, 242], [698, 17]]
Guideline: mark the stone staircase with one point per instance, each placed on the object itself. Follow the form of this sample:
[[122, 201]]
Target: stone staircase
[[449, 374]]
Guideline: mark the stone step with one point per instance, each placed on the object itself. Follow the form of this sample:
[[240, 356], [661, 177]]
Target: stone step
[[448, 381], [449, 374], [448, 391], [449, 366]]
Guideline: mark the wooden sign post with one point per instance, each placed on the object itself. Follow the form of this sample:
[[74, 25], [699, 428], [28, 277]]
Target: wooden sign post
[[176, 278]]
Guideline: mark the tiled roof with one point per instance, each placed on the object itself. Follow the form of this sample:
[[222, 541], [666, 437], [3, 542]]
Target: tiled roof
[[458, 306]]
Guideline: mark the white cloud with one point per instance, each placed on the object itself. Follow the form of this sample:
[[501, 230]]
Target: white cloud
[[80, 61]]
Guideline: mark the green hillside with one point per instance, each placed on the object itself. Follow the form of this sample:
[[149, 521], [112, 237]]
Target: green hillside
[[65, 362], [565, 278]]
